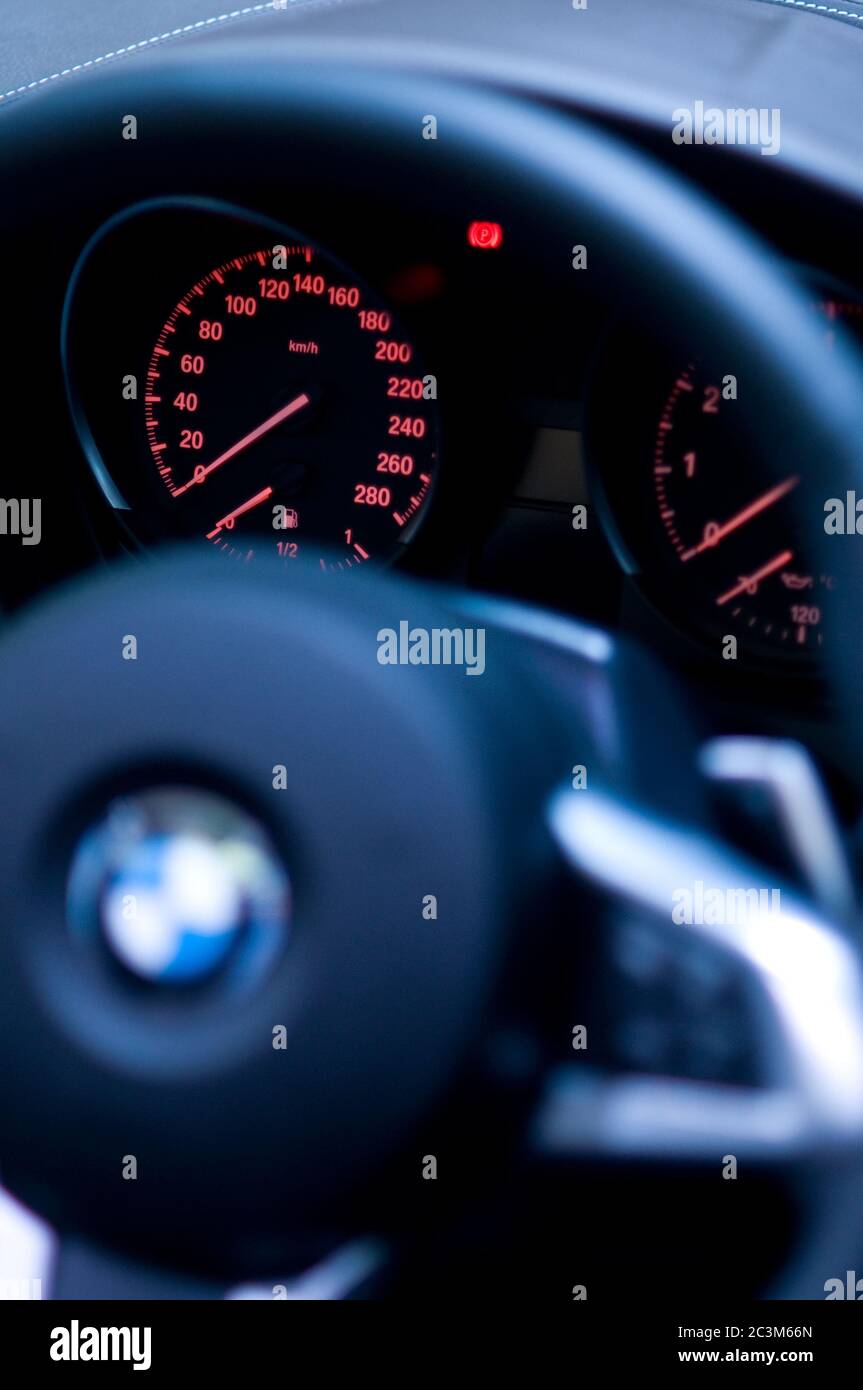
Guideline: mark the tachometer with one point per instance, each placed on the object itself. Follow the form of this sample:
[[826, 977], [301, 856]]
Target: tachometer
[[287, 411], [733, 533], [716, 539]]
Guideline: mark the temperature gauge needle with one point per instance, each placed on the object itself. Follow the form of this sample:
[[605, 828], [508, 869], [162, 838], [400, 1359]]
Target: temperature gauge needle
[[749, 583], [298, 403], [228, 521]]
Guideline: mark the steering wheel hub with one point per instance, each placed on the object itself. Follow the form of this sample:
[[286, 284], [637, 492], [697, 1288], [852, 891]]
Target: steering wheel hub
[[174, 992]]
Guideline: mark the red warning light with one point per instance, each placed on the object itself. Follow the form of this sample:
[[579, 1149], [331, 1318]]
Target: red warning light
[[415, 283], [485, 236]]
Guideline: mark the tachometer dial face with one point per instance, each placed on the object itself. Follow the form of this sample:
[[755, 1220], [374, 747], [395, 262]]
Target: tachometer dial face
[[732, 531], [287, 412], [716, 539]]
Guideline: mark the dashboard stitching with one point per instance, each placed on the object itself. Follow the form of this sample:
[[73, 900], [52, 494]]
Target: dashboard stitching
[[856, 15], [194, 27]]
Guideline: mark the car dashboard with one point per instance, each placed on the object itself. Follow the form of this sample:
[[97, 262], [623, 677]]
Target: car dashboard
[[400, 376]]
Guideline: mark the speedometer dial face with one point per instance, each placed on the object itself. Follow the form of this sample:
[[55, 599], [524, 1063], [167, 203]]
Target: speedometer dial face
[[287, 412]]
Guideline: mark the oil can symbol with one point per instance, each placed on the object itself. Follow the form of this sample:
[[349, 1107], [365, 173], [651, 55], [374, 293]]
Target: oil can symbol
[[797, 581]]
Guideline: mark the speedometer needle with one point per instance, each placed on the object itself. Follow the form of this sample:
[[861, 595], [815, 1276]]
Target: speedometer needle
[[713, 534], [749, 582], [270, 423]]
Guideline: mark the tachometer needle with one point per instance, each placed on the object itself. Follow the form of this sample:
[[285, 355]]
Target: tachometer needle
[[713, 533], [749, 583], [286, 411], [228, 521]]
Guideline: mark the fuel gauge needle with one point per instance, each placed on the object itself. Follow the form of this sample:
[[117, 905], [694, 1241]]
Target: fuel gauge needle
[[228, 521], [298, 403]]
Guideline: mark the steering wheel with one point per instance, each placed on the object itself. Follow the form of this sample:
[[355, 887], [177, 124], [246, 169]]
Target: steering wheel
[[436, 1016]]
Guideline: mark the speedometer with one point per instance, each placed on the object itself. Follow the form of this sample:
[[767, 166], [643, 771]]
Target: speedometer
[[287, 412]]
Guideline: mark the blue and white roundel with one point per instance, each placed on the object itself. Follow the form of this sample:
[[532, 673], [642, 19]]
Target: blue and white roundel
[[174, 908], [179, 883]]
